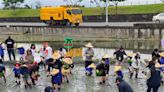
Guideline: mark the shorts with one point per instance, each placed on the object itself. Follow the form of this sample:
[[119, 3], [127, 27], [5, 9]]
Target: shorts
[[17, 76], [26, 77]]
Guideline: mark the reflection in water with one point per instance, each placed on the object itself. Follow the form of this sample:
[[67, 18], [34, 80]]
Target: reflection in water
[[143, 46]]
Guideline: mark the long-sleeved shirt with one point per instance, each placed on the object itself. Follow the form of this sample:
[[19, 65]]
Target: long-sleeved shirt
[[89, 53]]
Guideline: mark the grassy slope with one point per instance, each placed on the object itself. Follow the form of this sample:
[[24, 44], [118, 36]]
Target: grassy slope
[[138, 9]]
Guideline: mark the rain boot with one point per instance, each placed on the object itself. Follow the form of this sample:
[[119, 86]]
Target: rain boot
[[136, 76]]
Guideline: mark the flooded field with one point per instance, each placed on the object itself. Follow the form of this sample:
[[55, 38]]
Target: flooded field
[[78, 83]]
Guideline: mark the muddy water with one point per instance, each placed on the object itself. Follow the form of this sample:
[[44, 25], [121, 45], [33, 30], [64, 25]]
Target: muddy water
[[78, 83], [99, 51]]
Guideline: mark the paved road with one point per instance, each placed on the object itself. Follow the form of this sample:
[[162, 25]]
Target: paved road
[[78, 83], [82, 24]]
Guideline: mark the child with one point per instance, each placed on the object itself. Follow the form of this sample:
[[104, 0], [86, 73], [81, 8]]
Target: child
[[89, 69], [101, 71], [107, 63], [129, 60], [33, 50], [25, 75], [66, 68], [56, 79], [2, 70], [1, 51], [117, 70], [16, 71], [135, 66], [21, 52], [33, 72]]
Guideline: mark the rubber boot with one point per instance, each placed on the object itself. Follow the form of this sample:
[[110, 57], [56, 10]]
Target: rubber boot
[[136, 76]]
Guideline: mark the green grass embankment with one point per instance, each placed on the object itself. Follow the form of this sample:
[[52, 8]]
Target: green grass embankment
[[136, 9]]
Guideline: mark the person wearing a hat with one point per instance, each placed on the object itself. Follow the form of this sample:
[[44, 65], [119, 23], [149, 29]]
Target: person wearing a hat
[[17, 72], [25, 75], [57, 60], [66, 68], [2, 70], [2, 51], [89, 53], [21, 52], [161, 62], [122, 85], [89, 69], [161, 58], [118, 71], [101, 71], [56, 78], [106, 59]]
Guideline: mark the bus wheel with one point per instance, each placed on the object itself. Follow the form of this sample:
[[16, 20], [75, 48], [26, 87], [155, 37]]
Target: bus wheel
[[76, 24]]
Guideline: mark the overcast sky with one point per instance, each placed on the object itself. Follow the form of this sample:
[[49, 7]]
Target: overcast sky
[[85, 2]]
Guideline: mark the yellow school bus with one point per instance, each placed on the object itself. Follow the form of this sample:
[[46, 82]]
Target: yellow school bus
[[62, 15]]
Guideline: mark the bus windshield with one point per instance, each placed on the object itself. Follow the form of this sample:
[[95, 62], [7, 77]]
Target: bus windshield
[[76, 11]]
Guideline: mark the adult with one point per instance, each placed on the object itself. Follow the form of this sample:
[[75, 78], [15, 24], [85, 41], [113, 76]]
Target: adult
[[154, 78], [120, 54], [10, 47], [48, 51], [123, 86], [155, 53], [48, 55], [89, 53]]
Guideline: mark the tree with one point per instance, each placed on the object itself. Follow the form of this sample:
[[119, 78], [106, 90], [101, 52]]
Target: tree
[[12, 3], [115, 3]]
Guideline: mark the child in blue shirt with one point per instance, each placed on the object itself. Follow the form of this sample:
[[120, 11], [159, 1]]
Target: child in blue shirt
[[56, 78], [1, 51], [25, 75], [17, 73], [2, 70]]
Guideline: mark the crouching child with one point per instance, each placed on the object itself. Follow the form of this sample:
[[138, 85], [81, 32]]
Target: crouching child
[[2, 70], [26, 76], [56, 78]]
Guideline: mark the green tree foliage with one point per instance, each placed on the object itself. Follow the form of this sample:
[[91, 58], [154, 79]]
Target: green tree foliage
[[12, 3], [115, 2]]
